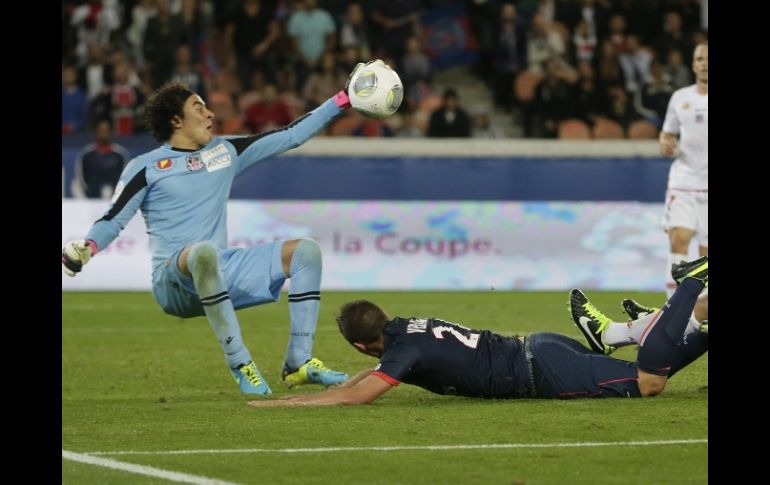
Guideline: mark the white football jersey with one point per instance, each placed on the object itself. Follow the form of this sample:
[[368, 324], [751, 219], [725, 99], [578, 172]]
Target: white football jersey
[[688, 116]]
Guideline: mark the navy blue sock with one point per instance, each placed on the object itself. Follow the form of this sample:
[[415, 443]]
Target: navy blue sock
[[658, 349]]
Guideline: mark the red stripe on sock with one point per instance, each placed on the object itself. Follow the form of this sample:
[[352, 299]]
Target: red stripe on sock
[[649, 327]]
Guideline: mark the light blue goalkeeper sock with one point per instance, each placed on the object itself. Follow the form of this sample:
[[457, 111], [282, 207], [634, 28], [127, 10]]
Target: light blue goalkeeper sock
[[203, 262], [304, 301]]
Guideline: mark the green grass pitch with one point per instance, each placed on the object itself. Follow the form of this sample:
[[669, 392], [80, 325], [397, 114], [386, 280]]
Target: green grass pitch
[[138, 384]]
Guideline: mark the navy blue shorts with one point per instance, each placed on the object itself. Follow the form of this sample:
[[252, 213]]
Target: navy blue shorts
[[564, 369], [253, 276]]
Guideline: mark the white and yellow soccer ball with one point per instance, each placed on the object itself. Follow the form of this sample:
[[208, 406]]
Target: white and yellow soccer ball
[[375, 90]]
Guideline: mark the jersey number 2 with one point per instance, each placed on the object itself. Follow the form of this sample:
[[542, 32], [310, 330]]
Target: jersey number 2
[[470, 340]]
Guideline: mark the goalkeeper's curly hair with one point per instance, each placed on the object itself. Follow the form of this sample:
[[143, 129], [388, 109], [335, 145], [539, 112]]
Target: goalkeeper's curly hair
[[167, 102], [361, 321]]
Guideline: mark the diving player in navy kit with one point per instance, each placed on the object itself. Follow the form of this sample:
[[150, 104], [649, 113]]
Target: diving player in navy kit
[[182, 188], [447, 358]]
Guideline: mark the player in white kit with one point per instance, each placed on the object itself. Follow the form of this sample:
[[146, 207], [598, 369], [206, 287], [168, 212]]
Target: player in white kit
[[685, 134]]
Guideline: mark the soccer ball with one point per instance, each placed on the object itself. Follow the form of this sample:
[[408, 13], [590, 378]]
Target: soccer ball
[[375, 90]]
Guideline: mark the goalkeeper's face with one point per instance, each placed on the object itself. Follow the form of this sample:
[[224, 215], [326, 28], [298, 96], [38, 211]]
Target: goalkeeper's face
[[196, 125]]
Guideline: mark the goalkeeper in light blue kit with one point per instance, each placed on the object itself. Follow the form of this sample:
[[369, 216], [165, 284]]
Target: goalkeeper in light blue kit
[[182, 190]]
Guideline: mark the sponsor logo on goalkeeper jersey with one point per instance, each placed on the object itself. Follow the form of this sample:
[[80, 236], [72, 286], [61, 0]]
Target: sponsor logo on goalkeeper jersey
[[216, 158], [219, 163], [194, 162], [164, 164]]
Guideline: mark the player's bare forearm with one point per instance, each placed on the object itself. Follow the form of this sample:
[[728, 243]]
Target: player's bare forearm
[[666, 137], [365, 391], [668, 142], [355, 379], [325, 398]]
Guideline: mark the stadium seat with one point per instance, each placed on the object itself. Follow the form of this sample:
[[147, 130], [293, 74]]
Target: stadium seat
[[607, 129], [525, 84], [574, 129], [642, 130]]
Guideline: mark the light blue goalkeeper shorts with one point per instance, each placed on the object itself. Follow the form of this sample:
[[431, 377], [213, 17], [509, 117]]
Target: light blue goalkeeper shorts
[[253, 276]]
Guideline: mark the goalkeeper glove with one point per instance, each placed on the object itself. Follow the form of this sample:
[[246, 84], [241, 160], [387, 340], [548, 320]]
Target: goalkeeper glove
[[360, 65], [342, 98], [355, 70], [75, 254]]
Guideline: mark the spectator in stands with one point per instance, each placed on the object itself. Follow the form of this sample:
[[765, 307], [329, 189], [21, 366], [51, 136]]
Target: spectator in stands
[[595, 14], [287, 90], [635, 62], [415, 66], [185, 72], [268, 113], [312, 31], [587, 103], [553, 99], [617, 33], [484, 17], [163, 34], [252, 93], [324, 81], [194, 27], [685, 136], [651, 100], [619, 106], [250, 37], [98, 165], [482, 126], [644, 18], [182, 189], [543, 44], [141, 13], [409, 127], [608, 70], [394, 21], [122, 101], [449, 120], [508, 55], [74, 105], [451, 359], [94, 22], [677, 71], [584, 41], [354, 32], [96, 75], [673, 37]]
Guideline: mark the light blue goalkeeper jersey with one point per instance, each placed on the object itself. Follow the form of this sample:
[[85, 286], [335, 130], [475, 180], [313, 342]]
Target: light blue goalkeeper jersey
[[183, 194]]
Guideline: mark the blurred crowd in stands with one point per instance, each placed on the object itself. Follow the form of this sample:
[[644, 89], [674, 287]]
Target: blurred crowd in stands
[[553, 68]]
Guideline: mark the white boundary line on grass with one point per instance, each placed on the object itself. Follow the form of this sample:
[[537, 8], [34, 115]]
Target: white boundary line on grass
[[141, 469], [492, 446]]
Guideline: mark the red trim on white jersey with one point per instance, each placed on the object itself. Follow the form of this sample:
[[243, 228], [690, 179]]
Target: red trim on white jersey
[[385, 378]]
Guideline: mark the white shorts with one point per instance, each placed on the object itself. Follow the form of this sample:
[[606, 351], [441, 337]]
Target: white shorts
[[688, 209]]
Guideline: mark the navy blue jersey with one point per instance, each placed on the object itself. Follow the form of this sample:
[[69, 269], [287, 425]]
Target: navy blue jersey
[[99, 165], [447, 358]]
